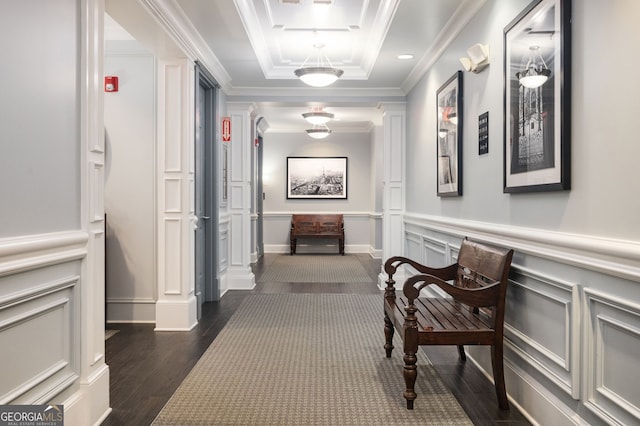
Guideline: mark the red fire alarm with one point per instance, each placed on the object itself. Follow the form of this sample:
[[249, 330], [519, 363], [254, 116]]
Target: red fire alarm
[[110, 83]]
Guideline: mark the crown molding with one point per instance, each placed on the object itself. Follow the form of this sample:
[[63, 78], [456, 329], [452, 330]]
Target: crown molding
[[174, 21], [461, 17]]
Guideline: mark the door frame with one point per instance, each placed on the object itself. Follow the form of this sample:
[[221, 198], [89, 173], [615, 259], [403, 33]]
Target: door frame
[[207, 190]]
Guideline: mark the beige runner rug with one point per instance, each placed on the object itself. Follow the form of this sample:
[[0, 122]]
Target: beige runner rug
[[315, 268], [307, 359]]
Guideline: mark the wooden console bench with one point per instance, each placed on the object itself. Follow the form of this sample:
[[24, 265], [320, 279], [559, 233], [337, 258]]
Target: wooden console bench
[[472, 315], [317, 226]]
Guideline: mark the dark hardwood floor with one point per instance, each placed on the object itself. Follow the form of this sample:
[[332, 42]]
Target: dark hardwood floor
[[146, 367]]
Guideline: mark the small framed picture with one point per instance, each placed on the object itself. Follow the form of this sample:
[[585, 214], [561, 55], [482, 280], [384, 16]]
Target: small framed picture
[[449, 137]]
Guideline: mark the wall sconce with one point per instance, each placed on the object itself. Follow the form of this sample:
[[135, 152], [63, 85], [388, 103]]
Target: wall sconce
[[478, 58]]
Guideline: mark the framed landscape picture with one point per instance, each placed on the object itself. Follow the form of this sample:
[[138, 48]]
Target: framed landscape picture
[[317, 177], [449, 137], [536, 95]]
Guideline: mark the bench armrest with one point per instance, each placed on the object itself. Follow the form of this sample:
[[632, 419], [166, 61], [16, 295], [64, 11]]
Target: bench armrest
[[393, 263], [476, 297]]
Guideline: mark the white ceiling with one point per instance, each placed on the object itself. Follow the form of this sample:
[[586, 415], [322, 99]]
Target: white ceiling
[[252, 48]]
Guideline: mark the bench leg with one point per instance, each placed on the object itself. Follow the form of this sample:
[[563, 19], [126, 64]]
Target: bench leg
[[498, 375], [341, 246], [463, 356], [388, 334], [292, 249], [410, 375]]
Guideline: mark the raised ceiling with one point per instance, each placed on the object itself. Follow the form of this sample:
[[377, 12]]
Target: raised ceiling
[[252, 48]]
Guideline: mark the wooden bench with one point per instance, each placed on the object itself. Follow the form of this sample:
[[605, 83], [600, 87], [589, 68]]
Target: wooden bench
[[472, 315], [317, 226]]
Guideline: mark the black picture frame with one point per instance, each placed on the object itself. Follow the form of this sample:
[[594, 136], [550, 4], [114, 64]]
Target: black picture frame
[[317, 178], [449, 137], [537, 125]]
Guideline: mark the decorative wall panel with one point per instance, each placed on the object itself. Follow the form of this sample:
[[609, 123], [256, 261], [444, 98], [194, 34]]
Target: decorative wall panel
[[613, 345], [96, 183], [172, 105], [542, 325], [435, 252], [172, 261], [172, 195], [413, 246], [396, 128], [37, 327], [224, 245]]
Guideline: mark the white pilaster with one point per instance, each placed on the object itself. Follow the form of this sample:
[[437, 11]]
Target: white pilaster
[[91, 403], [239, 274], [176, 302], [393, 186]]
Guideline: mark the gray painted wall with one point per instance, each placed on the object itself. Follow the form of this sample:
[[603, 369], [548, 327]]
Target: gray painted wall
[[39, 140], [604, 174], [129, 183]]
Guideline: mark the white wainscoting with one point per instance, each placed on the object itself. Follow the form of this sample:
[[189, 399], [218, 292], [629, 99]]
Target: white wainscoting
[[39, 312], [572, 326], [546, 334], [223, 246], [612, 346]]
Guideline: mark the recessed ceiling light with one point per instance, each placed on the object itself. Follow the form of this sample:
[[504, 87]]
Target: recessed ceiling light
[[405, 56]]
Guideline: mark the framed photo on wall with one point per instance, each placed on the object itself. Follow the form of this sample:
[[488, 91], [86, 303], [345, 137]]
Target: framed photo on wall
[[317, 177], [536, 98], [449, 137]]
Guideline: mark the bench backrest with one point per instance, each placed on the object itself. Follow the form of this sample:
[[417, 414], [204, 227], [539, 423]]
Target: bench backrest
[[479, 264], [321, 223]]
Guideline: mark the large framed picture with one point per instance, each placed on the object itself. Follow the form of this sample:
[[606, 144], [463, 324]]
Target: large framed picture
[[449, 137], [537, 92], [317, 177]]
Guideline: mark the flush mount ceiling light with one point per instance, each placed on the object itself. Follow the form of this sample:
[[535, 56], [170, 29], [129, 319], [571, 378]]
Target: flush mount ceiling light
[[319, 132], [322, 73], [535, 72], [318, 117]]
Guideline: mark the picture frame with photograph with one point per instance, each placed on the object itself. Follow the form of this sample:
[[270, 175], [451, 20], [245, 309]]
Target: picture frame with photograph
[[449, 137], [317, 178], [537, 90]]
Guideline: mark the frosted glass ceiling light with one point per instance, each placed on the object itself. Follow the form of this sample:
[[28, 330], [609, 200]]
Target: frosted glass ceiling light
[[318, 117], [320, 75], [319, 132], [536, 72]]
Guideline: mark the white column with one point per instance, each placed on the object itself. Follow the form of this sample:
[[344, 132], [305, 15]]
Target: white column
[[91, 404], [239, 274], [393, 186], [176, 303]]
